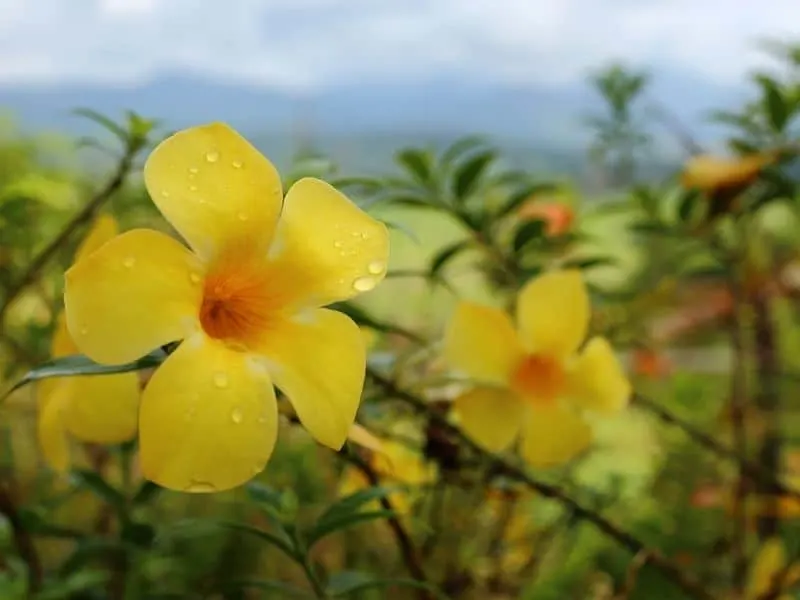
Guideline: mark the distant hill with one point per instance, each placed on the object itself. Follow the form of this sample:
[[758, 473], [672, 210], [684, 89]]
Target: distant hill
[[539, 126]]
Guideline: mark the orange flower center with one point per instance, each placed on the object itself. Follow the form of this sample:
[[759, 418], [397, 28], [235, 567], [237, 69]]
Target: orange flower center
[[238, 303], [539, 378]]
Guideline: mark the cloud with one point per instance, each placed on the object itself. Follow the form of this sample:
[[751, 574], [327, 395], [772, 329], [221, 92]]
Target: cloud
[[299, 44]]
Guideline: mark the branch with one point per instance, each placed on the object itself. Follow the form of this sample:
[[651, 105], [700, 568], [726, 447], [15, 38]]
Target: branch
[[753, 470], [84, 216], [627, 540], [404, 543], [22, 540]]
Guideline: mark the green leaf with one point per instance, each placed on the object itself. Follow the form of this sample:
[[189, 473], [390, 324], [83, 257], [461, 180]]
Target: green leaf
[[418, 163], [329, 526], [352, 503], [774, 104], [146, 492], [265, 495], [285, 590], [528, 232], [687, 206], [459, 148], [466, 178], [79, 364], [446, 254], [100, 488], [588, 263], [345, 583], [403, 229], [285, 545], [104, 122]]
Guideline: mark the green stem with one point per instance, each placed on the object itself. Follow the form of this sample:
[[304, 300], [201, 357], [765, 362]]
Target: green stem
[[311, 575]]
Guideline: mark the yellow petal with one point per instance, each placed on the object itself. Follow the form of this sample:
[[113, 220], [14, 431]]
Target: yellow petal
[[139, 291], [62, 343], [553, 435], [597, 380], [553, 313], [50, 428], [103, 409], [103, 229], [769, 561], [361, 435], [215, 188], [708, 173], [318, 360], [482, 342], [208, 420], [326, 248], [490, 416]]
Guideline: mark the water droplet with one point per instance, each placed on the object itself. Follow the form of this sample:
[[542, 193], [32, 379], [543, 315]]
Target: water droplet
[[338, 244], [193, 170], [165, 193], [363, 235], [220, 380], [364, 284], [376, 267], [262, 419], [243, 216], [194, 277], [84, 331], [237, 164], [192, 188], [129, 262], [257, 469], [200, 487], [212, 156], [237, 416]]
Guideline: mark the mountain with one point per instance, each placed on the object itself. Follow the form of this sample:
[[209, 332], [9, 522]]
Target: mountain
[[365, 121]]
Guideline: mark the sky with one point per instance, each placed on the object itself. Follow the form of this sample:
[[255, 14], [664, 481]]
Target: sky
[[309, 44]]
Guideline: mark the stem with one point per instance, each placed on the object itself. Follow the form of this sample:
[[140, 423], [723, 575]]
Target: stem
[[768, 401], [502, 466], [311, 575], [84, 216], [22, 540]]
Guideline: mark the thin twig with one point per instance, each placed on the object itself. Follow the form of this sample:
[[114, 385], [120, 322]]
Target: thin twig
[[752, 469], [22, 540], [404, 542], [84, 216], [502, 466]]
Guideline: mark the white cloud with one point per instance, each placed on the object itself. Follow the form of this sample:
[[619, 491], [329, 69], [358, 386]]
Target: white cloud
[[302, 43]]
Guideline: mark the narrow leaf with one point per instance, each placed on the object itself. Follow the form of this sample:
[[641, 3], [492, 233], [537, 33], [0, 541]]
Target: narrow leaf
[[528, 232], [346, 583], [284, 545], [329, 526], [446, 254], [352, 503], [466, 178], [100, 488], [418, 163], [520, 196], [103, 121], [459, 148], [285, 590]]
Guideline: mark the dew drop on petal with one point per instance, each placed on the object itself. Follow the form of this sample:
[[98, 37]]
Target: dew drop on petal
[[237, 416], [220, 380], [194, 277], [164, 193], [84, 331], [338, 244], [257, 469], [262, 419], [129, 262], [212, 156], [364, 284], [237, 164], [200, 487], [376, 267], [193, 170], [242, 216], [192, 188]]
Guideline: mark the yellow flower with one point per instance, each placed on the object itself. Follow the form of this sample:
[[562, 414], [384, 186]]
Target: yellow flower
[[245, 300], [100, 409], [770, 563], [394, 463], [712, 173], [532, 382]]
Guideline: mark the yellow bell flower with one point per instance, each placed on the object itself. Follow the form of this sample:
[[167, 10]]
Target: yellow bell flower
[[100, 409], [394, 463], [532, 382], [770, 563], [245, 299]]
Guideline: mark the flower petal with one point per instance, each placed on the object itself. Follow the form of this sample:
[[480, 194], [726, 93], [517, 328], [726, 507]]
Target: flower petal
[[553, 313], [318, 360], [326, 248], [597, 381], [482, 342], [139, 291], [491, 416], [50, 427], [208, 420], [103, 229], [553, 435], [62, 343], [104, 409], [215, 188]]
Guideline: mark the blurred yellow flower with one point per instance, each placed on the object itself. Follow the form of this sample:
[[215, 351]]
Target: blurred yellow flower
[[769, 565], [532, 382], [712, 173], [100, 409], [245, 300], [394, 463]]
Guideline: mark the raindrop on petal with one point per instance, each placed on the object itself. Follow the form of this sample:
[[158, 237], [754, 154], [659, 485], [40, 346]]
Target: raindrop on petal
[[376, 267], [220, 380], [237, 416], [129, 262], [364, 284], [212, 156], [237, 164], [201, 487]]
